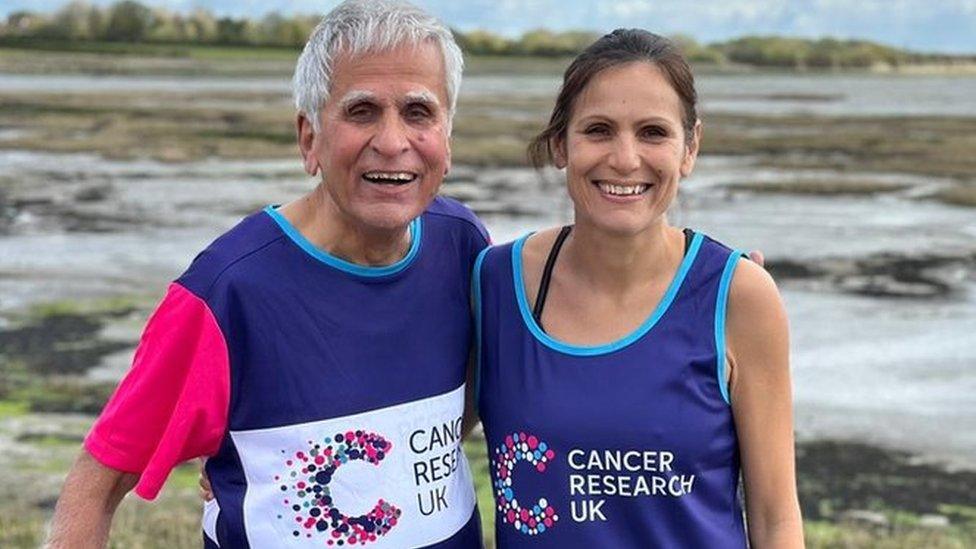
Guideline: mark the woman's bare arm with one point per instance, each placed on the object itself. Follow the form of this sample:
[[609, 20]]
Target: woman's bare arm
[[758, 350]]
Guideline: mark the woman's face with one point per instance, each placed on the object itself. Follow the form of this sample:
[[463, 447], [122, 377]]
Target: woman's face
[[625, 149]]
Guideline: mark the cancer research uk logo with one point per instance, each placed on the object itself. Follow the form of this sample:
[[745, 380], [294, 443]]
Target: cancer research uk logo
[[520, 447], [306, 487]]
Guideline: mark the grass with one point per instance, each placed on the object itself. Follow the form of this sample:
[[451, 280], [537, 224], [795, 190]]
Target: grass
[[924, 145], [832, 187], [492, 64], [488, 131], [51, 56], [13, 408], [958, 195], [474, 64], [831, 535], [173, 520]]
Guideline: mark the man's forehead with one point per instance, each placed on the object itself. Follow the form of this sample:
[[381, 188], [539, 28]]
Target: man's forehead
[[406, 68]]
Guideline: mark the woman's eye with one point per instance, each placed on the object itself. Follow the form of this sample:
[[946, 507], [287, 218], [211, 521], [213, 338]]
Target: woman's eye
[[652, 132], [597, 130]]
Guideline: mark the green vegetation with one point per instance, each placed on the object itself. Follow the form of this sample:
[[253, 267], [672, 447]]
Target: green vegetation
[[830, 535], [13, 408], [48, 348], [775, 51], [130, 27], [173, 520], [831, 187], [65, 396], [925, 145], [488, 131], [477, 453], [958, 195]]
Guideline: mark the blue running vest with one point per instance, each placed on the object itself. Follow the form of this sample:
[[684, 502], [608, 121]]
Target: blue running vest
[[331, 364], [628, 444]]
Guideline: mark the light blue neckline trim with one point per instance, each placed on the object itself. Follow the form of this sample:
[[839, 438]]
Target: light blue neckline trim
[[579, 350], [721, 304], [476, 299], [416, 227]]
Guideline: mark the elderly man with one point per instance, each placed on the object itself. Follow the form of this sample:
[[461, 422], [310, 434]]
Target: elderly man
[[316, 352]]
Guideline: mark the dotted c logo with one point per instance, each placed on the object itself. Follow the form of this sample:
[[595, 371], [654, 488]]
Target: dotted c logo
[[310, 499], [520, 447]]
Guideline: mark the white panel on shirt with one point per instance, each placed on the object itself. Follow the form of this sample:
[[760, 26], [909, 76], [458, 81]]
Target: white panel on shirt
[[404, 483]]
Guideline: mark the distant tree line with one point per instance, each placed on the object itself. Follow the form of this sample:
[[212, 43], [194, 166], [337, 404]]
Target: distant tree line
[[128, 21]]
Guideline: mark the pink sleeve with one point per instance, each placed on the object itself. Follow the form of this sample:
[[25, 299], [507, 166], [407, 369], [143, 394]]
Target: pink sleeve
[[172, 405]]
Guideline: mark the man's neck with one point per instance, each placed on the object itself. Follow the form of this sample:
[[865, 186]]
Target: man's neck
[[317, 218]]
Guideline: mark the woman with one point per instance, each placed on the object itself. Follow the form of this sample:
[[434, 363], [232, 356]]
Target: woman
[[628, 368]]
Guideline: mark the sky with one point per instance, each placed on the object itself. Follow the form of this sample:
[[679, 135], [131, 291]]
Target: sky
[[923, 25]]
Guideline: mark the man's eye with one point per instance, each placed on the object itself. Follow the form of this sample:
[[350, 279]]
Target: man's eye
[[418, 112], [360, 111]]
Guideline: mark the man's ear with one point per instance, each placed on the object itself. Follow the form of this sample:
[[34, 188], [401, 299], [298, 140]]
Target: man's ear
[[691, 150], [307, 137], [447, 161]]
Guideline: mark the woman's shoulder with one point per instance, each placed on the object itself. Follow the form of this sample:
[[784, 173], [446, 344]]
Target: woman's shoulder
[[757, 326], [536, 246], [532, 247], [752, 290]]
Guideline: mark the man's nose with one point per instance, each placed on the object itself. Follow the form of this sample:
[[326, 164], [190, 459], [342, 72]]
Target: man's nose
[[391, 136]]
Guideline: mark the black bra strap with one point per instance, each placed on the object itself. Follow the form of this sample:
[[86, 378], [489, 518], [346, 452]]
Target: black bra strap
[[540, 298]]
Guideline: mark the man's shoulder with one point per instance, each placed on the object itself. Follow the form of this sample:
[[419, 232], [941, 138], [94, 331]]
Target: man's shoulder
[[453, 211], [249, 238]]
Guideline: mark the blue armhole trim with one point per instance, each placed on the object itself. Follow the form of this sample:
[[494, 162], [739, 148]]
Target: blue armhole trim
[[476, 309], [721, 304]]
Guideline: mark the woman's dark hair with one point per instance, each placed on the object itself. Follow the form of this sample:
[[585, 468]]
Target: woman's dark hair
[[620, 47]]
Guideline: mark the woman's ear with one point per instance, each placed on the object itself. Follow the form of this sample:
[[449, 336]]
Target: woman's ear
[[691, 150], [307, 137], [558, 147]]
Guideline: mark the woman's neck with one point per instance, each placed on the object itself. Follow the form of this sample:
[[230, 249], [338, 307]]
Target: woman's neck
[[619, 263]]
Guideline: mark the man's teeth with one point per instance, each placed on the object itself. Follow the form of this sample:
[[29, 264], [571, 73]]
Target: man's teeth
[[622, 190], [389, 177]]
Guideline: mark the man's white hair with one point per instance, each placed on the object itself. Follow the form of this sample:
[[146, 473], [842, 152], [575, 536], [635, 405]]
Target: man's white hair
[[364, 26]]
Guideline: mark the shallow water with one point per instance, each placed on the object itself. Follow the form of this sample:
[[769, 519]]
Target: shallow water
[[898, 372], [893, 371]]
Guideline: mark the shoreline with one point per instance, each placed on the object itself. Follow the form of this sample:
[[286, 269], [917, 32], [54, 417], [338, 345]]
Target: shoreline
[[193, 59]]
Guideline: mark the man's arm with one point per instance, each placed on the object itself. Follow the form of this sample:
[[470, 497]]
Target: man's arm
[[84, 512]]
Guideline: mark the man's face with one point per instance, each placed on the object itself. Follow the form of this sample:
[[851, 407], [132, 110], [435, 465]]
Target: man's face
[[383, 149]]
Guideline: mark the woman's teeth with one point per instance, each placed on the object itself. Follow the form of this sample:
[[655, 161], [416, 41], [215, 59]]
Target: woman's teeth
[[623, 190]]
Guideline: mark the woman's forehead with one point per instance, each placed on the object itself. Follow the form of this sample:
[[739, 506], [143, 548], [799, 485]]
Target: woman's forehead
[[637, 89]]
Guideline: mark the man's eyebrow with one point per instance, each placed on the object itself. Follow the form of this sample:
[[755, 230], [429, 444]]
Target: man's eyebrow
[[423, 97], [355, 96]]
